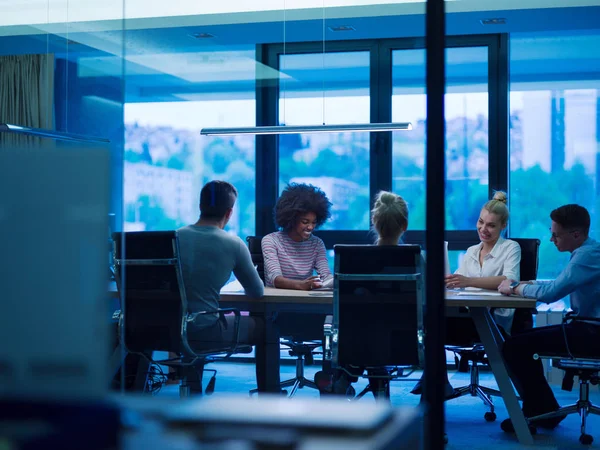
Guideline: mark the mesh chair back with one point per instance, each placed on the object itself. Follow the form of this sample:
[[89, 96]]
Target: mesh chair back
[[255, 247], [523, 319], [529, 257], [148, 273], [378, 305]]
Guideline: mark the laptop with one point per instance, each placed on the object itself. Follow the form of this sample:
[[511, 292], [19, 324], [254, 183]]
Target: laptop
[[446, 259]]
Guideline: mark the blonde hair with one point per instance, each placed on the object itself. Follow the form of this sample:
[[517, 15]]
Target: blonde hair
[[497, 205], [389, 215]]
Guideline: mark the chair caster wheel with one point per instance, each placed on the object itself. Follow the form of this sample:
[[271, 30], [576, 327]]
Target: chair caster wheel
[[586, 439], [489, 416]]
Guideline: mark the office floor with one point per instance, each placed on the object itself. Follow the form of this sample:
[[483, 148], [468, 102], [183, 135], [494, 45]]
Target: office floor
[[465, 425]]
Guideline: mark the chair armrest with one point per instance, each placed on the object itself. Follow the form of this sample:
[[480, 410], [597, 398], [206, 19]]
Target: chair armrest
[[571, 316], [191, 317], [221, 311], [330, 334]]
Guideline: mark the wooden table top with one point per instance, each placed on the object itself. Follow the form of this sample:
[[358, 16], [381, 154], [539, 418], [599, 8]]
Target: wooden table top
[[472, 298], [480, 298]]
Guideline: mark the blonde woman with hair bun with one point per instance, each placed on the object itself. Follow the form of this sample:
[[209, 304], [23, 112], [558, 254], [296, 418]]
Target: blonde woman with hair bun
[[485, 266], [389, 217], [493, 260]]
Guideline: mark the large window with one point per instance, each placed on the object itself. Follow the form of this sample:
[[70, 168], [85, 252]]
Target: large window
[[467, 137], [384, 81], [167, 161], [554, 135], [332, 89]]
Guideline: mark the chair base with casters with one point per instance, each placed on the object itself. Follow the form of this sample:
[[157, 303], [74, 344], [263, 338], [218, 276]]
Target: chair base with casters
[[476, 356], [379, 381], [588, 373], [304, 352], [185, 387], [191, 385]]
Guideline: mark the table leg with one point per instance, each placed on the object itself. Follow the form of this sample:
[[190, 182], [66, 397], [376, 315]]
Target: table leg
[[272, 349], [493, 341]]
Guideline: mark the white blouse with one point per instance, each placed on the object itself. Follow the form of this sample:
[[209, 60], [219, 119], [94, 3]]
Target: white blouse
[[503, 260]]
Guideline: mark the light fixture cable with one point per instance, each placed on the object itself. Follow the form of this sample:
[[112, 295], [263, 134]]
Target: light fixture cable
[[283, 62], [323, 61]]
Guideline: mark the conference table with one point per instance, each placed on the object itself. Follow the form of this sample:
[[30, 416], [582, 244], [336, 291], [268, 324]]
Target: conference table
[[477, 302]]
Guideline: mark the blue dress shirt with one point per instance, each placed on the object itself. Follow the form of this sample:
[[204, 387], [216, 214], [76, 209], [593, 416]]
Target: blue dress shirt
[[580, 279]]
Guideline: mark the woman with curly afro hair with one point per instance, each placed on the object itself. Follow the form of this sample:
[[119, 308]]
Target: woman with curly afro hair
[[292, 254]]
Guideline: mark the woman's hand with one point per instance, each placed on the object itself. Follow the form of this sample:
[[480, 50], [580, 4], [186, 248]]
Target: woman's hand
[[457, 281], [310, 283]]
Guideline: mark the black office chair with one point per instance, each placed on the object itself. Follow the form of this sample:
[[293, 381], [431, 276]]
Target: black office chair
[[587, 370], [530, 248], [154, 315], [293, 327], [254, 245], [377, 314], [474, 353]]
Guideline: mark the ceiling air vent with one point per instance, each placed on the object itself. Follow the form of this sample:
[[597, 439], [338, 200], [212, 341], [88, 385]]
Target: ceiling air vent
[[342, 28], [495, 21], [202, 35]]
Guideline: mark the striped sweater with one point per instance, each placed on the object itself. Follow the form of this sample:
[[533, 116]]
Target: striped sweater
[[294, 260]]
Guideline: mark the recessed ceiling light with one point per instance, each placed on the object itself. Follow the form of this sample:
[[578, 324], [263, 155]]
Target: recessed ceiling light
[[494, 21], [202, 35], [343, 28]]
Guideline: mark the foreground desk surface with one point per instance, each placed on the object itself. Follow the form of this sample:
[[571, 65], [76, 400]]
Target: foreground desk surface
[[275, 422]]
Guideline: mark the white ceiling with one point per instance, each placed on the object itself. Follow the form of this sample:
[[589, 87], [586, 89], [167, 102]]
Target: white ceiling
[[25, 17]]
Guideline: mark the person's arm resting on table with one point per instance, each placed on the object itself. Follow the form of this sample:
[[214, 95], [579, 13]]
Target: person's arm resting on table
[[246, 274], [321, 264], [574, 275], [568, 280]]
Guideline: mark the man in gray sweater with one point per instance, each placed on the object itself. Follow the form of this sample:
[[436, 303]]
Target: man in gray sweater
[[208, 256]]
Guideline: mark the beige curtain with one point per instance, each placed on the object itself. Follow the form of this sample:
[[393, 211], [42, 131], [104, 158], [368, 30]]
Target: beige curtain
[[26, 93]]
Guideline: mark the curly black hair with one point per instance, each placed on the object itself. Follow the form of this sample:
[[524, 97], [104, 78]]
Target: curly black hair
[[297, 199]]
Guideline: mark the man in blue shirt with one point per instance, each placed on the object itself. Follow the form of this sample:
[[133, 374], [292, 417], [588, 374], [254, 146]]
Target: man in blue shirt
[[581, 280]]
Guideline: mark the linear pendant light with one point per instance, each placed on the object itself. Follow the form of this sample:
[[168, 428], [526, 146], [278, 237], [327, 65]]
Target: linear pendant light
[[39, 132], [294, 129]]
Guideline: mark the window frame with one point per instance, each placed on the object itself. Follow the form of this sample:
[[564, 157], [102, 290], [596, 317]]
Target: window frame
[[380, 89]]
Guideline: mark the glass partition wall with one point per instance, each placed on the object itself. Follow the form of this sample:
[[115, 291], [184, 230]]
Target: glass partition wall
[[147, 85], [61, 82], [554, 133]]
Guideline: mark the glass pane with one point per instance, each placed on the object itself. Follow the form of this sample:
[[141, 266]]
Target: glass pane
[[466, 133], [554, 135], [166, 160], [334, 90], [455, 257], [76, 187]]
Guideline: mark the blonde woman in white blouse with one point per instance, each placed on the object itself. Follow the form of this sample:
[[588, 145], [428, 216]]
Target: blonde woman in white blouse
[[488, 263], [493, 260]]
